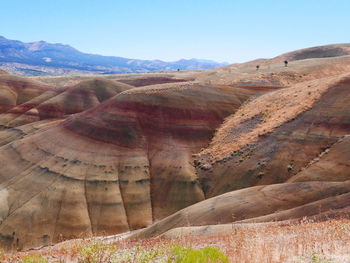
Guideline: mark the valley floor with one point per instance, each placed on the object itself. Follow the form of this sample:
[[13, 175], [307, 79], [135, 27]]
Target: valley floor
[[306, 241]]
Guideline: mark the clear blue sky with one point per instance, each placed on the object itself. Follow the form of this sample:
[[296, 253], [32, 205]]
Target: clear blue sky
[[222, 30]]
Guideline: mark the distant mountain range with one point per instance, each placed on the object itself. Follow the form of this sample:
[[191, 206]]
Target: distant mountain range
[[42, 58]]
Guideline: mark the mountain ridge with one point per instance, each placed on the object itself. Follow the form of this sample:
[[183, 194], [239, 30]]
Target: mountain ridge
[[43, 58]]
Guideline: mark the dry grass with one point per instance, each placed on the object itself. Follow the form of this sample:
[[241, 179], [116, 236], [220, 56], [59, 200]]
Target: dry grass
[[273, 71], [327, 241], [69, 80], [274, 109]]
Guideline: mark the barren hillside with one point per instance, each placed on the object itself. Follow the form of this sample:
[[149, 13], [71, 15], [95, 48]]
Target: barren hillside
[[82, 156]]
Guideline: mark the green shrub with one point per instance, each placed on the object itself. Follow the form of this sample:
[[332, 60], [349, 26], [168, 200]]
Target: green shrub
[[316, 259], [34, 259], [204, 255]]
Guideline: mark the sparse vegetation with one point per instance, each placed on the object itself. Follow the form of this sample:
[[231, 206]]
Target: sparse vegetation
[[204, 255], [97, 252], [316, 259], [303, 242], [36, 258], [144, 255], [274, 108]]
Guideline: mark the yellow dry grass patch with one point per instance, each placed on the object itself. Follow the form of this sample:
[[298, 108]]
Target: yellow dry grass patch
[[274, 109]]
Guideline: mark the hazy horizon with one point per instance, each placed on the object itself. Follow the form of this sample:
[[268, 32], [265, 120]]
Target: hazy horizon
[[224, 31]]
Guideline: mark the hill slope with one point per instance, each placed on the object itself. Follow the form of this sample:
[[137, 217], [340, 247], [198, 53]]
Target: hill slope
[[101, 157], [111, 169]]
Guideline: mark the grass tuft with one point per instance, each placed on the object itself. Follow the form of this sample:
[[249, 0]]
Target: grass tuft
[[204, 255], [97, 252], [36, 258]]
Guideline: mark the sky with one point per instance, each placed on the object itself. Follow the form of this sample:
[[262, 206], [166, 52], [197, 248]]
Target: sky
[[222, 30]]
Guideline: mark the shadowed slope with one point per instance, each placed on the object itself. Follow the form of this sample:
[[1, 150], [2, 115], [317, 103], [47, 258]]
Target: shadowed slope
[[56, 103], [330, 165], [113, 168], [10, 134], [336, 50], [83, 96], [146, 81], [308, 198], [276, 145], [26, 112], [16, 90]]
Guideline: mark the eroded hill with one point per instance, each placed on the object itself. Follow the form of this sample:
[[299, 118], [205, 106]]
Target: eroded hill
[[113, 168], [82, 156]]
